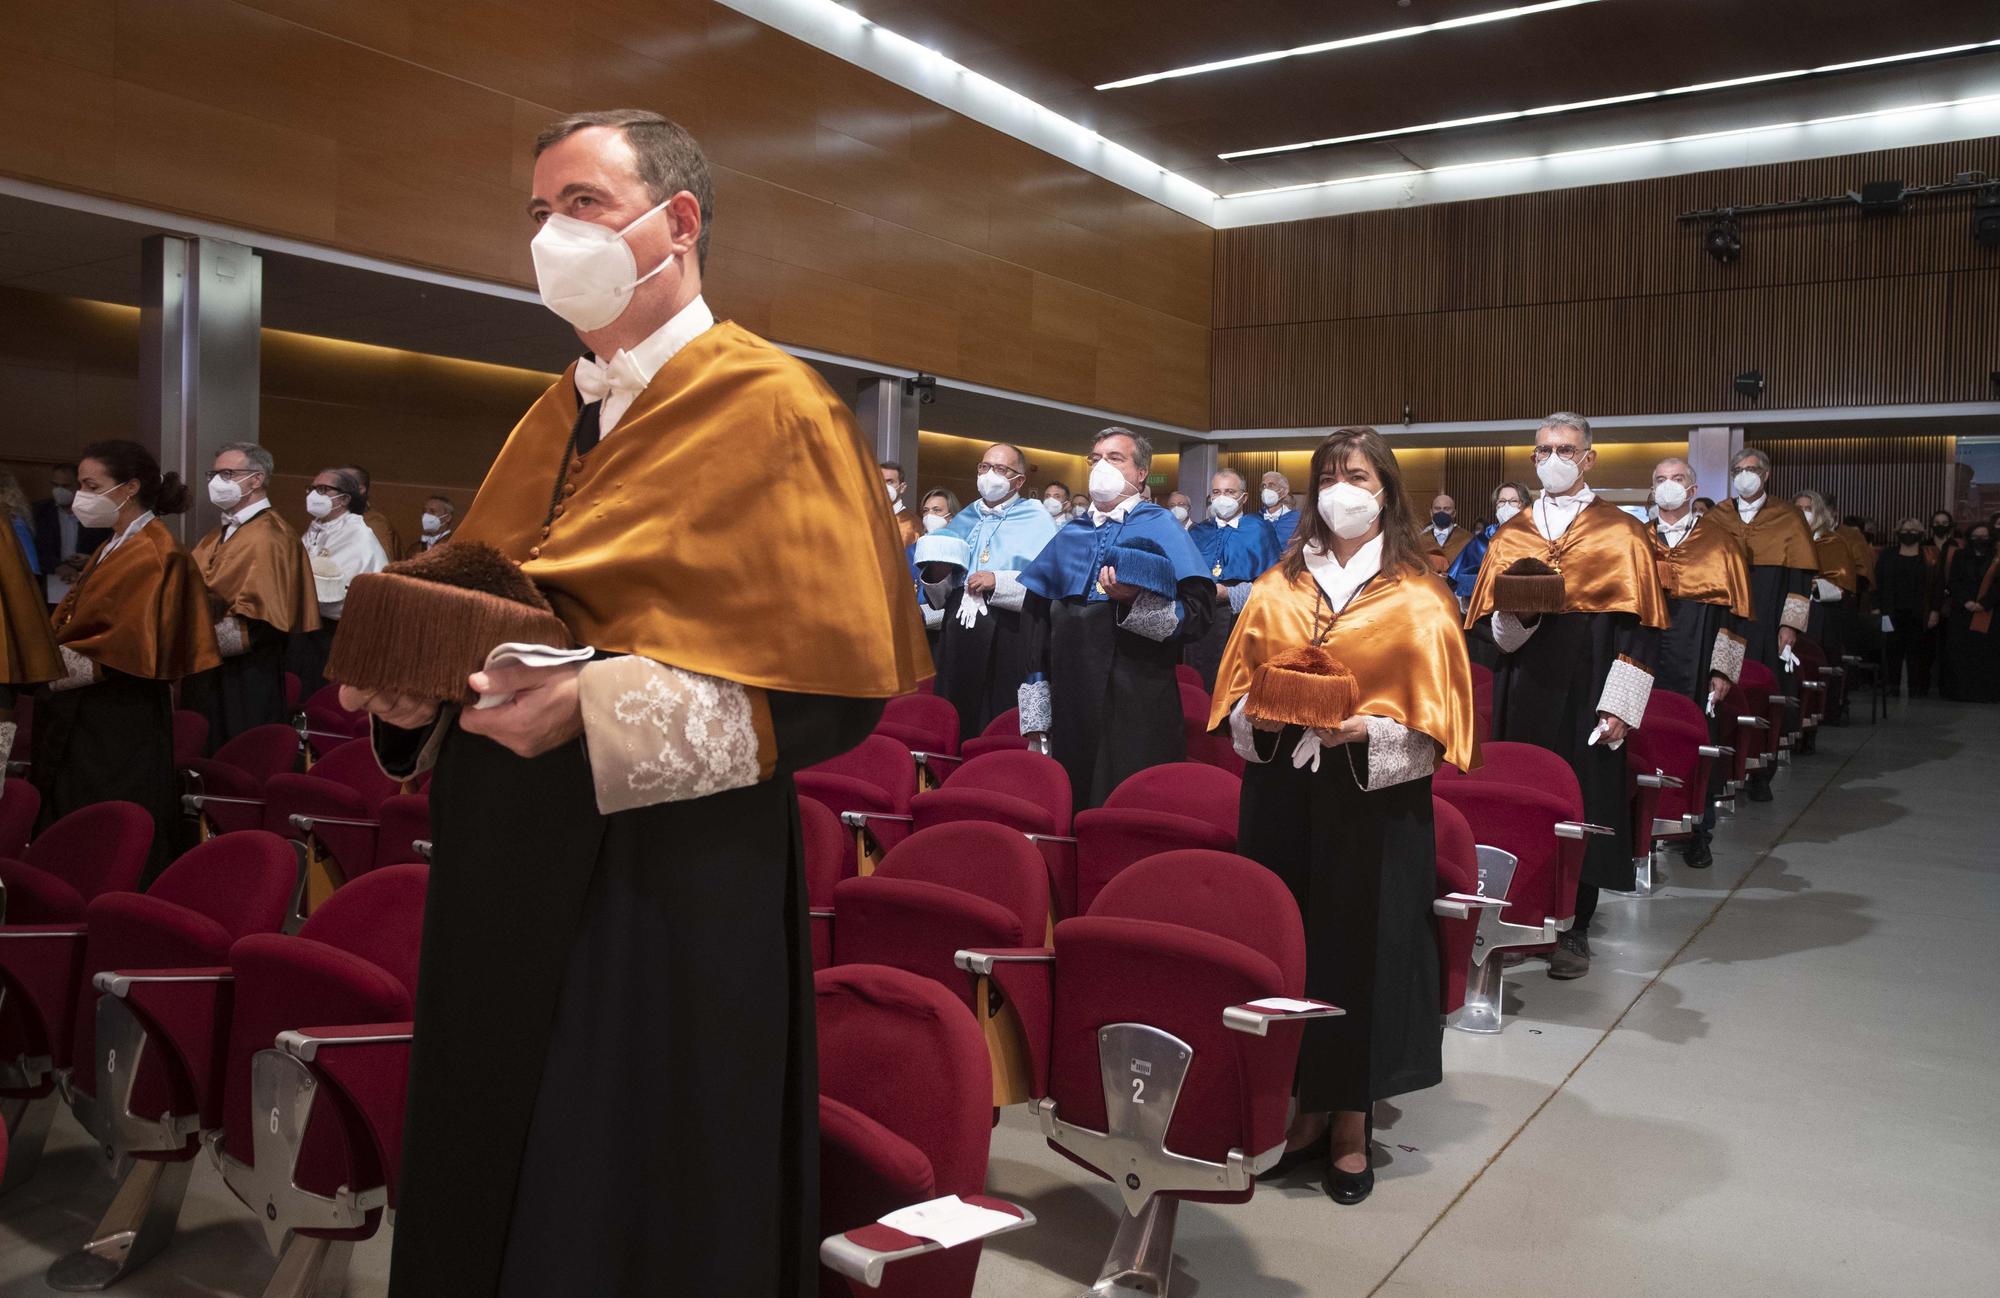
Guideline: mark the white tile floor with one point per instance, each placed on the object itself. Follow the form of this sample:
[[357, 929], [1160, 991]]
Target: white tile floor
[[1783, 1087]]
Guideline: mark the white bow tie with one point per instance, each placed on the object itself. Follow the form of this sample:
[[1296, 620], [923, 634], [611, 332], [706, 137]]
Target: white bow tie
[[596, 379]]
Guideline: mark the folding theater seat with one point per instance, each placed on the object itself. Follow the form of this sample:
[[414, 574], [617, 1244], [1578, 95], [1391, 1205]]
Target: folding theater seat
[[1743, 718], [1021, 790], [334, 809], [942, 890], [1659, 763], [1526, 811], [1814, 692], [92, 852], [190, 736], [404, 831], [903, 1119], [323, 725], [1002, 733], [227, 790], [1179, 805], [1203, 747], [1164, 1076], [928, 726], [1667, 711], [869, 787], [1456, 910], [1778, 710], [20, 803], [143, 1097], [1187, 675], [322, 1173], [828, 851]]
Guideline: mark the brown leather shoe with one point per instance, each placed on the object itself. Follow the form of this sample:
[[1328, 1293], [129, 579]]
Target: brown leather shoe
[[1571, 957]]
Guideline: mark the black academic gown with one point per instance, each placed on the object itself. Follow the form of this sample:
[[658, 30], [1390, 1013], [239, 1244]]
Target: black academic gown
[[1546, 693], [1114, 698], [670, 944], [111, 741], [1969, 670], [1363, 866], [1770, 586], [245, 691], [979, 669]]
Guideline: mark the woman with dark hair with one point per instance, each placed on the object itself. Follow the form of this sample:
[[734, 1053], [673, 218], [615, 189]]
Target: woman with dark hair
[[1343, 813], [1509, 499], [1970, 670], [340, 546], [135, 622]]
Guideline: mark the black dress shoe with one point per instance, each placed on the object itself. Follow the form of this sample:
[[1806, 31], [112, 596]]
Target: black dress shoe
[[1698, 856], [1350, 1188], [1758, 790]]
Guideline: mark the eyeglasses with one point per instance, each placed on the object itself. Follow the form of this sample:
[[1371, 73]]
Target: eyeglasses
[[1569, 453], [229, 475], [327, 491], [1005, 470]]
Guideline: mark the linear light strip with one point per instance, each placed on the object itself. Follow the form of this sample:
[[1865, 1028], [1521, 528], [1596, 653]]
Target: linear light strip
[[1345, 43], [1617, 148], [1548, 110]]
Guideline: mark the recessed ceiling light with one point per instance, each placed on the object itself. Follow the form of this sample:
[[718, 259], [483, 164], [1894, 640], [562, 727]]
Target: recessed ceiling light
[[1549, 110], [1412, 172], [1346, 43]]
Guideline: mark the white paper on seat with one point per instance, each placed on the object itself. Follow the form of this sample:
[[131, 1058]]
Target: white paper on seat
[[528, 655], [949, 1221], [1286, 1005]]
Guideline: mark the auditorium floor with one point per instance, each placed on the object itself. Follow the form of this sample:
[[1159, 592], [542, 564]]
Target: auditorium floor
[[1777, 1079]]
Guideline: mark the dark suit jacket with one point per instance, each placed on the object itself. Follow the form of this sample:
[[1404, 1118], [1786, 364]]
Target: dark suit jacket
[[48, 536]]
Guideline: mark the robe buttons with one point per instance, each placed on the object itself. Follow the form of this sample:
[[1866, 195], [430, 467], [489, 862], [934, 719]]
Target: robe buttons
[[569, 488], [576, 465], [535, 552], [557, 512], [545, 534]]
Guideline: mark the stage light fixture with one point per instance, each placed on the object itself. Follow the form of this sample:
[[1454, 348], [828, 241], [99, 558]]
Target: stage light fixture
[[1724, 241], [1750, 384], [1986, 218], [1881, 197]]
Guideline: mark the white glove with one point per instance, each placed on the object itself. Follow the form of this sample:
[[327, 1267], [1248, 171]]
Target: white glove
[[1613, 744], [970, 606], [1307, 751], [1788, 658]]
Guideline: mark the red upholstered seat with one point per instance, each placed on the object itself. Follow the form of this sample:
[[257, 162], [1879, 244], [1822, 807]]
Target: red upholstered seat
[[871, 783], [93, 850], [337, 805], [904, 1117], [1003, 732], [827, 851], [1515, 801], [1203, 747], [293, 687], [1187, 675], [20, 803], [1022, 790], [1457, 871], [1482, 677], [926, 722], [190, 736], [405, 821], [1163, 808], [228, 788], [327, 725]]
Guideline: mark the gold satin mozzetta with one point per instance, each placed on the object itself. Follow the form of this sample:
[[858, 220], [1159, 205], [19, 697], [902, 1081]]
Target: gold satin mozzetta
[[28, 654], [1605, 557], [261, 574], [142, 610], [1860, 554], [1778, 537], [1836, 563], [648, 548], [1399, 637], [1707, 567]]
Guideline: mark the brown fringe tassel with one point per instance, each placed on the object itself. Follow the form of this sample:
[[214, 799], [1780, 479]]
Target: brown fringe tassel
[[1304, 686], [1528, 586], [422, 638]]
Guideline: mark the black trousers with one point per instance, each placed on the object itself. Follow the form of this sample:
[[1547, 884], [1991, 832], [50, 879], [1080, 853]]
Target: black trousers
[[1904, 644]]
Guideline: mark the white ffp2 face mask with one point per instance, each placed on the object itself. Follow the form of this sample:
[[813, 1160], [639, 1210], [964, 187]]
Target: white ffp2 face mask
[[224, 493], [1505, 511], [93, 510], [431, 523], [1747, 483], [585, 271], [1668, 494], [1107, 485], [1180, 513], [1558, 474], [932, 522], [1056, 508], [993, 487], [1224, 507], [317, 505], [1349, 510], [1270, 497]]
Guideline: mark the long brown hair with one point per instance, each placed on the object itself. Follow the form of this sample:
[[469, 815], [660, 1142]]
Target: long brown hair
[[1402, 553]]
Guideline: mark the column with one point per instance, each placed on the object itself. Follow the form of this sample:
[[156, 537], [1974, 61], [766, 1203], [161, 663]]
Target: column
[[201, 310], [887, 411], [1709, 451], [1198, 463]]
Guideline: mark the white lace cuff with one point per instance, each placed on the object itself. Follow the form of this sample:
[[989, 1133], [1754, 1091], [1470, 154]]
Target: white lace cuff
[[78, 671], [1797, 614], [1508, 633], [661, 734], [1727, 659], [1033, 700], [1627, 689], [1008, 592], [1154, 616], [230, 637], [1397, 754], [8, 729], [1243, 735], [1239, 595]]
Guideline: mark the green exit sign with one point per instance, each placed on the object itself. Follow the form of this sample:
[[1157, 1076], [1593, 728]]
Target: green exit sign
[[1156, 479]]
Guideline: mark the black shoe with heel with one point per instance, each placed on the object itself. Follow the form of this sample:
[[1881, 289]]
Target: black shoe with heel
[[1349, 1188]]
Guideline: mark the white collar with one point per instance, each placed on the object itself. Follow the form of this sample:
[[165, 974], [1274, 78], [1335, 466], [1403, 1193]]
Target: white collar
[[1340, 583], [1675, 533], [145, 517], [651, 354], [1747, 509], [1098, 518], [1442, 532], [1279, 512], [244, 514], [995, 511], [1554, 514], [1231, 521]]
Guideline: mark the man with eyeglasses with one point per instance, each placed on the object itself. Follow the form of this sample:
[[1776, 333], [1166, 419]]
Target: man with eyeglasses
[[978, 585], [1237, 549], [1275, 491], [1111, 602], [260, 591], [1571, 596], [1784, 561]]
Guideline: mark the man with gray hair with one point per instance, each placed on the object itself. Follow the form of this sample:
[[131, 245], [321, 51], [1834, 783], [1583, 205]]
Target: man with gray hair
[[1237, 548], [1111, 602], [260, 592], [1571, 598], [1275, 491], [1783, 563]]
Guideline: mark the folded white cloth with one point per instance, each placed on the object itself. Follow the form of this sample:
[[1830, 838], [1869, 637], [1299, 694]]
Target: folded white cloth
[[527, 655]]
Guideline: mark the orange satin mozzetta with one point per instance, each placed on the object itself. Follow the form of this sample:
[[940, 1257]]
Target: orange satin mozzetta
[[28, 653], [1399, 636], [1836, 563], [1706, 567], [1778, 537], [142, 610], [644, 546], [261, 574], [1605, 557], [1860, 554]]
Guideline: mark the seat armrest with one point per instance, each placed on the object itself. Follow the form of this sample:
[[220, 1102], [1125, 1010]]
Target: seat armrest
[[926, 758], [186, 1015], [862, 1254], [1716, 750], [369, 1065], [196, 801], [1755, 723], [1256, 1018], [860, 819], [980, 962], [1052, 838], [1658, 780], [1013, 1001], [306, 1043], [1461, 905], [305, 824], [1578, 828]]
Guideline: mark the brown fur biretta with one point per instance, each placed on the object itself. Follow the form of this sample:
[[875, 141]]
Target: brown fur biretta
[[421, 626], [1302, 686], [1528, 586]]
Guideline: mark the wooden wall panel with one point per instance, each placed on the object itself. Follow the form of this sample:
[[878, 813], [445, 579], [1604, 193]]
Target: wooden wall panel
[[1598, 299], [852, 216], [1879, 478]]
